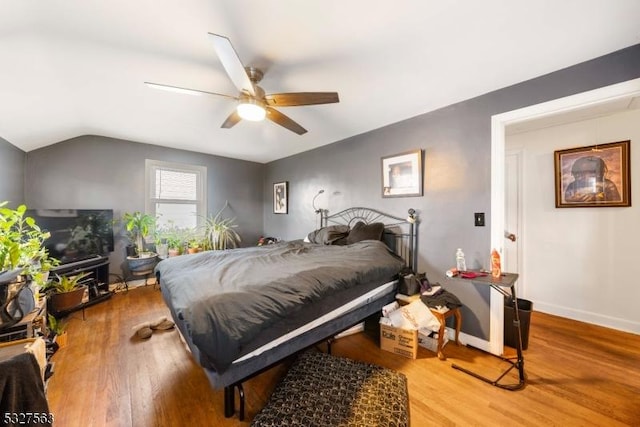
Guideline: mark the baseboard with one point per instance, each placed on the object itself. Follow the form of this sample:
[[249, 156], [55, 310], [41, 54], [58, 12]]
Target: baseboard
[[466, 339], [129, 284], [589, 317]]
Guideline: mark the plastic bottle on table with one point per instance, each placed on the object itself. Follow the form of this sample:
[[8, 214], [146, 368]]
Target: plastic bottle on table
[[496, 267], [461, 264]]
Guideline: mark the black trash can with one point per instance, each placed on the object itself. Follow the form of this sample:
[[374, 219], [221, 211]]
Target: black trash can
[[510, 331]]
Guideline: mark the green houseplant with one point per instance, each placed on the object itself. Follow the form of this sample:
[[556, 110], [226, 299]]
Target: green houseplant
[[65, 292], [175, 243], [194, 245], [173, 237], [139, 226], [23, 261], [22, 250], [59, 329], [220, 233]]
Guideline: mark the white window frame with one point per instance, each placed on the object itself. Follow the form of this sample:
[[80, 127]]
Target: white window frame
[[201, 186]]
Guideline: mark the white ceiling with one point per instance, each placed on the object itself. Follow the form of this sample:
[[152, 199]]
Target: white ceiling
[[77, 67]]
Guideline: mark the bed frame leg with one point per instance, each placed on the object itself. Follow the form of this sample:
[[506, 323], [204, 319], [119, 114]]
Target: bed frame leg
[[241, 394], [229, 401], [229, 405], [329, 341]]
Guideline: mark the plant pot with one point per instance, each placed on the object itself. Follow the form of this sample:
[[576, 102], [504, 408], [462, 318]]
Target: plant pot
[[131, 250], [61, 339], [142, 263], [67, 300], [174, 252], [162, 250]]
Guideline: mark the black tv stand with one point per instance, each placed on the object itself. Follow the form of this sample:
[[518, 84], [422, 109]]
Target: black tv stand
[[97, 282]]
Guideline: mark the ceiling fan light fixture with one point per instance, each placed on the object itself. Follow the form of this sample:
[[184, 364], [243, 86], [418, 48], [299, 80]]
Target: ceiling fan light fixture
[[252, 102], [251, 109]]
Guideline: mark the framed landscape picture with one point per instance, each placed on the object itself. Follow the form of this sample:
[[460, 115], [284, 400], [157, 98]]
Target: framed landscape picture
[[593, 176], [402, 175], [280, 197]]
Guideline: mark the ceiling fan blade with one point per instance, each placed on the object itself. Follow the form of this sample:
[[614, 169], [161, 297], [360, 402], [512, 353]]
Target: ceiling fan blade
[[185, 90], [232, 64], [232, 120], [301, 98], [284, 121]]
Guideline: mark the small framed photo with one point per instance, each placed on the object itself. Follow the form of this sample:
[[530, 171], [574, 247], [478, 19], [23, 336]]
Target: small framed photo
[[402, 175], [593, 176], [280, 197]]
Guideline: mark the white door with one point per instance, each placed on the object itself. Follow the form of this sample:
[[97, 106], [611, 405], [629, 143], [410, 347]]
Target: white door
[[513, 213]]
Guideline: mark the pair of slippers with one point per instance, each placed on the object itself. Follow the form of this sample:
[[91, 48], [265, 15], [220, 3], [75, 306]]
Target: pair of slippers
[[145, 330]]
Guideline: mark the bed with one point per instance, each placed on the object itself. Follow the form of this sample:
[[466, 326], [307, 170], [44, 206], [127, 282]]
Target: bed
[[240, 311]]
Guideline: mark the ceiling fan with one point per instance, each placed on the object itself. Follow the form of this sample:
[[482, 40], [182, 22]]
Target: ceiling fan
[[253, 103]]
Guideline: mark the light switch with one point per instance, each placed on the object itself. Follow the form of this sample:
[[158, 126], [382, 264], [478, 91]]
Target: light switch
[[479, 219]]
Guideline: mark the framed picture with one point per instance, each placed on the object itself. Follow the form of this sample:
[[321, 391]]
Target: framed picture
[[280, 197], [593, 176], [402, 175]]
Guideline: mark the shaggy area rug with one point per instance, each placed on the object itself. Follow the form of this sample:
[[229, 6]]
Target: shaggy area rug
[[324, 390]]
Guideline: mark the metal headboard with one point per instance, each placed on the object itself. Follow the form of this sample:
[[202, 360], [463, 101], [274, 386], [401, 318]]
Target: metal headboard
[[400, 234]]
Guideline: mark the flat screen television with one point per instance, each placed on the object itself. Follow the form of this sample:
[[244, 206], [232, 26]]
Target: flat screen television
[[76, 234]]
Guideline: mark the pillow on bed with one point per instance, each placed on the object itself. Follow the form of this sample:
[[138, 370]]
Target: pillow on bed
[[330, 235], [362, 231]]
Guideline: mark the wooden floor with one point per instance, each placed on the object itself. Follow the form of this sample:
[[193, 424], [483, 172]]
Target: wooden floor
[[578, 375]]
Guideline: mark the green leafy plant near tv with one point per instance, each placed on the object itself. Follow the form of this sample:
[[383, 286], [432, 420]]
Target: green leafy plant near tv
[[65, 292], [62, 284], [22, 250], [139, 226]]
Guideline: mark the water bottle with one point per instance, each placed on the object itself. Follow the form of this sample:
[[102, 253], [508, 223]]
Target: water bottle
[[461, 265]]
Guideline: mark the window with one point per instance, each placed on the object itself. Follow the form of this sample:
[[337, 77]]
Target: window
[[176, 193]]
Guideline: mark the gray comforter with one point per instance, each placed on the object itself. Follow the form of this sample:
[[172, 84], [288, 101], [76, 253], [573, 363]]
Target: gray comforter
[[225, 299]]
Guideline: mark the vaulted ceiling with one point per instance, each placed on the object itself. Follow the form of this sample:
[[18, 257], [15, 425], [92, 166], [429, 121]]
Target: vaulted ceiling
[[77, 67]]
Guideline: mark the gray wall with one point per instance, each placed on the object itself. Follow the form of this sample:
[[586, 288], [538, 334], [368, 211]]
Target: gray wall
[[457, 145], [12, 161], [94, 172]]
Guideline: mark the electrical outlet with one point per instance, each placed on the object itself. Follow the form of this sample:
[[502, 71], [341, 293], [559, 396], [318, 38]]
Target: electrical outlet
[[479, 219]]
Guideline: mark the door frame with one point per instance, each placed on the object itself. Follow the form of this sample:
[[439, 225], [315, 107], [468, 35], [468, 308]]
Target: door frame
[[499, 123]]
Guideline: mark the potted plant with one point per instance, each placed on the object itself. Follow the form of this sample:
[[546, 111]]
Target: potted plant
[[174, 245], [23, 260], [22, 248], [58, 328], [139, 226], [66, 292], [194, 245], [220, 233], [173, 237]]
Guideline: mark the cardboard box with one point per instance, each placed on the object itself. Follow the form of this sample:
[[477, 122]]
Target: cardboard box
[[399, 341], [429, 340]]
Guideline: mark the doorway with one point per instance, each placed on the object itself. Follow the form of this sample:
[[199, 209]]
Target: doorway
[[548, 112]]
